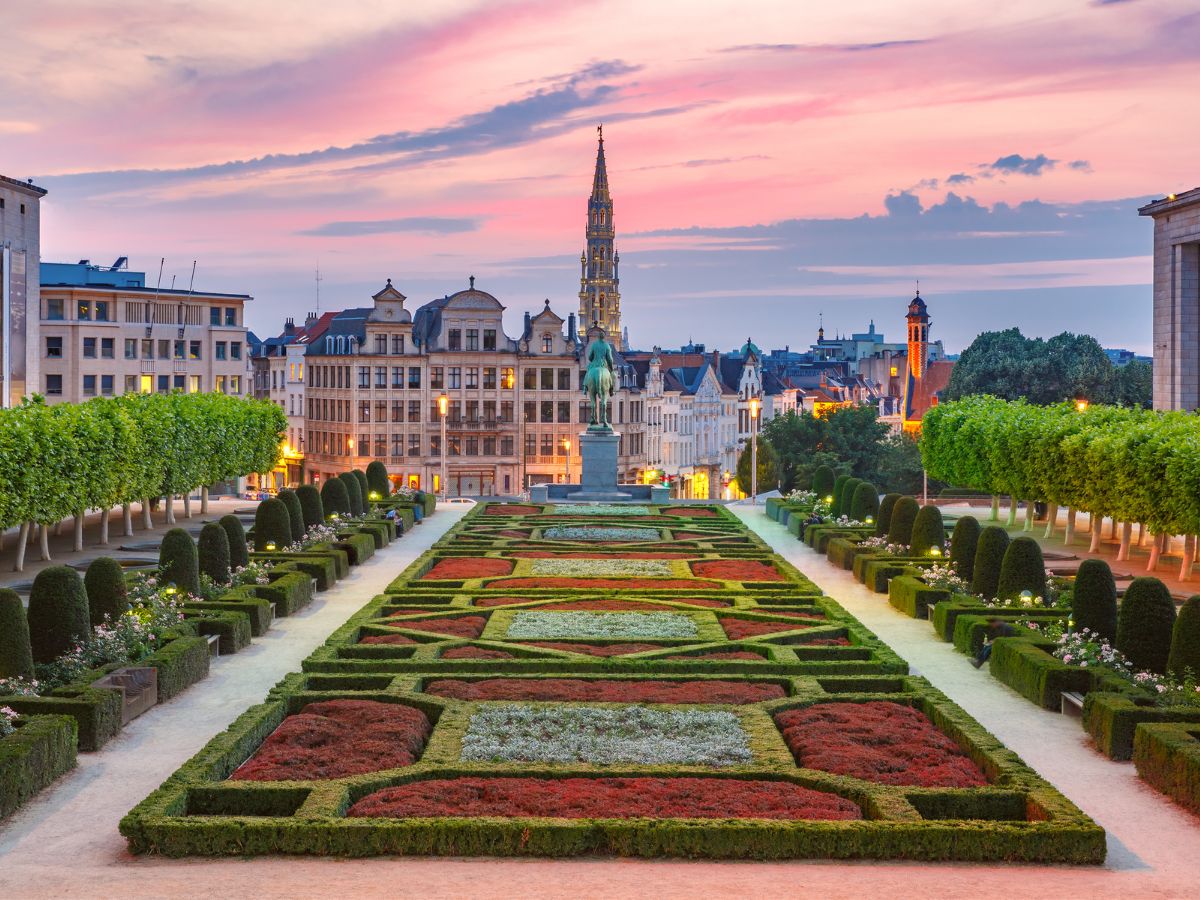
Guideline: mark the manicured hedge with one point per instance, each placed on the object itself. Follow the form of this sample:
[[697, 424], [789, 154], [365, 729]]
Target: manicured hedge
[[963, 543], [900, 526], [1144, 624], [1094, 605], [1185, 640], [41, 750], [989, 557], [883, 521], [1111, 717], [928, 531], [913, 597], [1167, 757], [16, 656], [107, 592], [1022, 569], [1028, 667]]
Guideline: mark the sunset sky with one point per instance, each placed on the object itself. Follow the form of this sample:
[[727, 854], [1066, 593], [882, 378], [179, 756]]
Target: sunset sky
[[769, 161]]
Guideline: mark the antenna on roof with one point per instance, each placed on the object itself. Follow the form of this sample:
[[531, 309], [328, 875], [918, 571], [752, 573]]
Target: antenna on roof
[[192, 282], [154, 303], [319, 287]]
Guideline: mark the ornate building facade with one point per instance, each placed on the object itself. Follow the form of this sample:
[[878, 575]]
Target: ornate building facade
[[599, 264]]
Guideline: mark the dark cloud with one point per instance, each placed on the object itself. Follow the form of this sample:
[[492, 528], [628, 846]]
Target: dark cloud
[[1080, 165], [1024, 165], [420, 224], [960, 178]]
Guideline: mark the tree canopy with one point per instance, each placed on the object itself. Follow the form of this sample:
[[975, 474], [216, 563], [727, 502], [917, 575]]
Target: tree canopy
[[846, 439]]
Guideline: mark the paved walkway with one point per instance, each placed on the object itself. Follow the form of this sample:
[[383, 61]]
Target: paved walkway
[[65, 843]]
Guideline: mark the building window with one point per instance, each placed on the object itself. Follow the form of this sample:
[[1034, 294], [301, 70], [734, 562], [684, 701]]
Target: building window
[[54, 309], [435, 445], [414, 376], [193, 350], [530, 445], [472, 445], [380, 445], [489, 339], [397, 445], [101, 310], [397, 410], [107, 348], [506, 445], [89, 348], [164, 384], [547, 343], [364, 410], [381, 344], [414, 410], [193, 384], [179, 349], [564, 411], [231, 315], [53, 385], [364, 445], [455, 448], [214, 315], [147, 349], [414, 445], [489, 445], [364, 376], [455, 339], [564, 379], [489, 379], [235, 352], [380, 410], [508, 378], [85, 309], [130, 384], [547, 379], [54, 348], [235, 384], [473, 411], [397, 376], [381, 376], [506, 410], [547, 411], [436, 380], [397, 345], [530, 410], [547, 445], [145, 384], [530, 379], [164, 349], [177, 383], [472, 338], [456, 411], [455, 378], [473, 378], [489, 410], [220, 354], [131, 348]]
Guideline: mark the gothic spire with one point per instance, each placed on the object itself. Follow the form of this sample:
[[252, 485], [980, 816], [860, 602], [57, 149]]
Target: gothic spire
[[600, 179]]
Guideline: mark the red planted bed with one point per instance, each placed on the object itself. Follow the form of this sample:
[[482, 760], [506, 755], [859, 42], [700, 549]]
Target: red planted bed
[[718, 654], [513, 509], [736, 629], [339, 738], [605, 798], [585, 554], [633, 584], [736, 570], [462, 626], [475, 653], [387, 639], [690, 512], [517, 533], [888, 743], [468, 567], [593, 649], [610, 691]]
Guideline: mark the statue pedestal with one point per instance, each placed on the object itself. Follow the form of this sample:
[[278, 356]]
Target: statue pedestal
[[598, 449]]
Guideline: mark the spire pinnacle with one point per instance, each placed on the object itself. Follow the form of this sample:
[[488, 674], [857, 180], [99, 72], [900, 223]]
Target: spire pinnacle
[[600, 179]]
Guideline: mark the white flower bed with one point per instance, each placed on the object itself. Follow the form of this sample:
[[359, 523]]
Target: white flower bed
[[602, 568], [599, 533], [599, 509], [530, 624], [625, 734]]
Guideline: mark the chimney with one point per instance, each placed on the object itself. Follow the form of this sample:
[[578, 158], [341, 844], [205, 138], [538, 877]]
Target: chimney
[[571, 326], [310, 320], [289, 326], [716, 361]]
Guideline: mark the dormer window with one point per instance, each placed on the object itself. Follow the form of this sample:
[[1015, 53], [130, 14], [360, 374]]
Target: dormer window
[[547, 343]]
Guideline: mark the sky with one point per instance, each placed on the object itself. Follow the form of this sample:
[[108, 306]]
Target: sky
[[771, 163]]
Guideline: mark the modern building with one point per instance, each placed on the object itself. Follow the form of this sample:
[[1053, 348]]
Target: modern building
[[1176, 299], [20, 255], [103, 332]]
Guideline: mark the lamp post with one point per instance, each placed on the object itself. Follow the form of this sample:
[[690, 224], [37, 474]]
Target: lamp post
[[443, 403], [755, 403], [567, 460]]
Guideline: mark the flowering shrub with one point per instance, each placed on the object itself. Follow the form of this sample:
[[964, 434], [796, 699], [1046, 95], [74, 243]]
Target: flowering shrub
[[475, 653], [1087, 649], [623, 734], [881, 544], [468, 567], [887, 743], [512, 509], [736, 570], [594, 649], [943, 577], [801, 497], [584, 568], [8, 720], [605, 690], [20, 687], [599, 509], [646, 584], [605, 798], [550, 625], [338, 738], [737, 629], [404, 492], [690, 512], [599, 533]]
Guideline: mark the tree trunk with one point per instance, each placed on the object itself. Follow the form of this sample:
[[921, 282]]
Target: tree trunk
[[1126, 534], [104, 526], [995, 516], [1113, 535], [44, 541], [1097, 526], [1141, 534], [147, 518], [127, 518], [1013, 503], [187, 504], [1051, 520], [1189, 554], [58, 527], [204, 500], [22, 543], [1028, 516], [77, 544], [1155, 551], [170, 509], [1069, 535]]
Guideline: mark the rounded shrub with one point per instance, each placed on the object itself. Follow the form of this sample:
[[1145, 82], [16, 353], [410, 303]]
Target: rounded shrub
[[16, 656], [823, 482], [178, 562], [311, 509], [928, 531], [989, 556], [1144, 624], [236, 535], [883, 521], [335, 498], [295, 512], [1022, 569], [1184, 659], [847, 496], [900, 525], [963, 542], [838, 483], [353, 493], [865, 502], [272, 525], [1095, 602], [107, 593], [58, 613], [213, 550], [364, 486], [377, 479]]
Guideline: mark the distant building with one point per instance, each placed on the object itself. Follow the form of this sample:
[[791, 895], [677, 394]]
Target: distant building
[[599, 276], [20, 253], [1176, 299], [924, 378]]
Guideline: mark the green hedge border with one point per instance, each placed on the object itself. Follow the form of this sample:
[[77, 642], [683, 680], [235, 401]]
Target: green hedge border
[[1167, 757], [41, 750]]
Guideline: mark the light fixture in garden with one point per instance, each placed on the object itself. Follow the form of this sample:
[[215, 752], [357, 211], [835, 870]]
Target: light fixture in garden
[[755, 404], [374, 495], [935, 551], [870, 520], [270, 545], [443, 405], [1081, 404]]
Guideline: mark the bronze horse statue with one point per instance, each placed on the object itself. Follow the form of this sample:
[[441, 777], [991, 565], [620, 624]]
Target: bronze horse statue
[[598, 382]]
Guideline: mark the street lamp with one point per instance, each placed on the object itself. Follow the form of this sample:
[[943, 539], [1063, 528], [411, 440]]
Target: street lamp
[[755, 403], [443, 403], [567, 460]]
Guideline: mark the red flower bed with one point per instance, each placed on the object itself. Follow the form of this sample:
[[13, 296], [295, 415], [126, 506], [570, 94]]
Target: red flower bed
[[888, 743], [633, 584], [718, 654], [463, 626], [387, 639], [338, 738], [475, 653], [605, 798], [500, 601], [513, 509], [793, 614], [584, 554], [736, 570], [695, 535], [691, 512], [737, 629], [826, 642], [411, 612], [513, 533], [468, 567], [567, 689], [594, 649], [605, 606]]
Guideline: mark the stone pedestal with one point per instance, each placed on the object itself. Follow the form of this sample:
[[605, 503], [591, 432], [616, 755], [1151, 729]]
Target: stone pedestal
[[598, 481]]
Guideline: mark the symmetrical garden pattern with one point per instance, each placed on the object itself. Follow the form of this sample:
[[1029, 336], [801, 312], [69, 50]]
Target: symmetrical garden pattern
[[641, 681]]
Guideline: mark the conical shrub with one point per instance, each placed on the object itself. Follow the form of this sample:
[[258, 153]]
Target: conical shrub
[[883, 521], [900, 527], [989, 556], [107, 593], [1144, 624], [178, 561], [377, 479], [1095, 601], [928, 532], [1022, 569], [213, 551], [838, 484], [335, 498], [58, 613], [364, 488], [823, 482], [272, 525], [16, 656], [865, 502], [847, 499], [353, 492], [1184, 659], [239, 555], [295, 512], [963, 543], [312, 512]]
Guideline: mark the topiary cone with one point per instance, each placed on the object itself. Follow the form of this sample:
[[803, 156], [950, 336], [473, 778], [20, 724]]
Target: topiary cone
[[353, 493], [963, 543], [272, 525], [1022, 569], [239, 555], [364, 489], [883, 521], [16, 656], [295, 512], [107, 593], [1095, 602], [823, 482], [928, 532], [900, 526], [178, 561], [377, 479], [865, 502], [1144, 624], [1184, 659], [838, 483], [989, 556], [213, 552], [847, 496], [335, 498], [58, 613], [312, 510]]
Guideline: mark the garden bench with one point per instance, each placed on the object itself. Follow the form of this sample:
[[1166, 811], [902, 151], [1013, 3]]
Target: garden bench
[[1072, 703], [214, 644]]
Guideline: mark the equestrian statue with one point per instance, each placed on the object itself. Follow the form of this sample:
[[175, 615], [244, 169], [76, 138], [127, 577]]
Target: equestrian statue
[[598, 382]]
